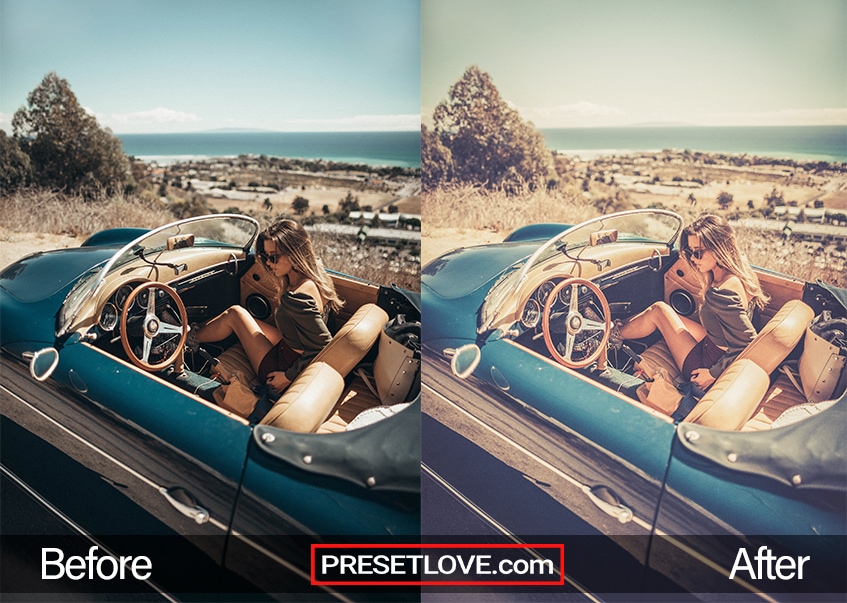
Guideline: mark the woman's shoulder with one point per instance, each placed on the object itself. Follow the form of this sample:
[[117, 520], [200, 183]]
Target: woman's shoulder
[[730, 289], [306, 294]]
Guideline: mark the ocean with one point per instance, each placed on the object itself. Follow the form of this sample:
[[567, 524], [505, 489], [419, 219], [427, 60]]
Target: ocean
[[800, 143], [402, 149]]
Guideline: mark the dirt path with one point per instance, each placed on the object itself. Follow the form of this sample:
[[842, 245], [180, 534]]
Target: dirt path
[[15, 245]]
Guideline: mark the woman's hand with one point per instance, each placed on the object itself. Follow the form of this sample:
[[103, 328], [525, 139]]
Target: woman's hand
[[277, 381], [702, 378]]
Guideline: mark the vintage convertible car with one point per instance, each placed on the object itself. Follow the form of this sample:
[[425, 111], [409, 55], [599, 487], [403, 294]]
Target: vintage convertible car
[[520, 384], [112, 423]]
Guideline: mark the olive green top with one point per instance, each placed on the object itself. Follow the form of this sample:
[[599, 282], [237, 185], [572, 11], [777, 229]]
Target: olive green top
[[303, 327], [728, 324]]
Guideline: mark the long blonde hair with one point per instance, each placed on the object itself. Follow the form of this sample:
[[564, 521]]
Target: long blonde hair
[[717, 236], [292, 240]]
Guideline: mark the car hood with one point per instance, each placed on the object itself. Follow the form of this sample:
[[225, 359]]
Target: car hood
[[42, 275], [463, 271]]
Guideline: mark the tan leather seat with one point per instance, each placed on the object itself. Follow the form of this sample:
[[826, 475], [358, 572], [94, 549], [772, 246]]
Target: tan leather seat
[[737, 393], [309, 400], [658, 356]]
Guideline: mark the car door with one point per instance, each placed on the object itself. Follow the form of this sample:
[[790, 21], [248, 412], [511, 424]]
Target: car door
[[128, 458], [305, 488], [577, 461]]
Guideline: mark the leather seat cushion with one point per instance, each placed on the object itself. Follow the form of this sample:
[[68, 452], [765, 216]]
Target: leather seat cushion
[[779, 336], [354, 339], [308, 401], [734, 397], [659, 356]]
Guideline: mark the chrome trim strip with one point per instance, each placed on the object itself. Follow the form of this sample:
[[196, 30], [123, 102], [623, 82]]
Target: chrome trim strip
[[495, 524], [286, 564], [67, 520], [102, 453], [571, 480]]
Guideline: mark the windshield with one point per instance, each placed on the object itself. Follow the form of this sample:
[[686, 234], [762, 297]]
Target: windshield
[[222, 230], [651, 226]]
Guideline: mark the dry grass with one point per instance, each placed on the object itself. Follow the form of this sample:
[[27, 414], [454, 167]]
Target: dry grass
[[54, 213], [43, 212], [481, 210]]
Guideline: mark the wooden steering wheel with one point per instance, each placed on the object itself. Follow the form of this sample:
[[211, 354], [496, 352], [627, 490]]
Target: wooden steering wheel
[[162, 333], [566, 328]]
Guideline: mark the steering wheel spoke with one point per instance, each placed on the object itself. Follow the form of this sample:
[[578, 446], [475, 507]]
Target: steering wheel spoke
[[580, 329], [161, 300]]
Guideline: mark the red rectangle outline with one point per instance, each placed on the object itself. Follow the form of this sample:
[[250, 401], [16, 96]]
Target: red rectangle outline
[[559, 582]]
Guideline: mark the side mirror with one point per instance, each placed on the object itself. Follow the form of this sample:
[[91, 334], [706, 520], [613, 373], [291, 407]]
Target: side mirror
[[465, 359], [42, 363]]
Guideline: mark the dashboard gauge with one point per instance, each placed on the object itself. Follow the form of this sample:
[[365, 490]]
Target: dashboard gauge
[[122, 295], [531, 314], [108, 317], [543, 291], [565, 295], [142, 298]]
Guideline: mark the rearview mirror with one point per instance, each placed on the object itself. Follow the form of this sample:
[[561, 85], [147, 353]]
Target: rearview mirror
[[464, 360], [42, 363]]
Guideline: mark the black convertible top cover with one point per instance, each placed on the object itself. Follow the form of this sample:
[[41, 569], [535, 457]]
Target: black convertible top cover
[[809, 454], [382, 456]]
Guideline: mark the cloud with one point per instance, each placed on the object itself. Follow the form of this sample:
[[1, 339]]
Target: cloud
[[151, 119], [582, 113], [6, 122]]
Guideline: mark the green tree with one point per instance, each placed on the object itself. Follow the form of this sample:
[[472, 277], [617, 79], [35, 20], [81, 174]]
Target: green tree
[[488, 141], [436, 160], [724, 199], [15, 170], [300, 205], [67, 148]]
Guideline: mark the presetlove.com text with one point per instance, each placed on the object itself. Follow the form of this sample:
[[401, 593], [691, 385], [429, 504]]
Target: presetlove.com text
[[438, 565]]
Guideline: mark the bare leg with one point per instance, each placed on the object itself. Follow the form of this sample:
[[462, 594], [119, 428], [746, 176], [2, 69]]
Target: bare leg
[[257, 337], [680, 333]]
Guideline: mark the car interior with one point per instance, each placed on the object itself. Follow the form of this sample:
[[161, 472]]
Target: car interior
[[325, 398], [625, 279]]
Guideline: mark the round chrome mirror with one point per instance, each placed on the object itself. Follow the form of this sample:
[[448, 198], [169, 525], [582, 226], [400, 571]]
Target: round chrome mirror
[[43, 363], [465, 360]]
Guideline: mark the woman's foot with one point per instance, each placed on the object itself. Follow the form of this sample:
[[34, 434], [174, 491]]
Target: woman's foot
[[615, 339], [191, 340]]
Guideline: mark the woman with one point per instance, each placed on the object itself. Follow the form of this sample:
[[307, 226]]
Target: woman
[[730, 293], [307, 296]]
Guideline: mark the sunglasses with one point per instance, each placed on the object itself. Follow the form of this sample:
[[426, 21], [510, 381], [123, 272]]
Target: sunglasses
[[272, 258], [695, 254]]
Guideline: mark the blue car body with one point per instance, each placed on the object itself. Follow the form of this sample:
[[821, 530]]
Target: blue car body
[[119, 451]]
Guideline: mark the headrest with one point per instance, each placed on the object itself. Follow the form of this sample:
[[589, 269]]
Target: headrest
[[777, 338], [354, 339]]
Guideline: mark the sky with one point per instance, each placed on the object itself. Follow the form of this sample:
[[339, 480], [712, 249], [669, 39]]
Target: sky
[[603, 63], [148, 66]]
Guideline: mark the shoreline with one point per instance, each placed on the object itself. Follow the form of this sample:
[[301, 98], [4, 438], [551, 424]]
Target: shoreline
[[765, 159]]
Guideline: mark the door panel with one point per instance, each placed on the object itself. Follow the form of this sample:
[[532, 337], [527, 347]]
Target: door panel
[[118, 440]]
